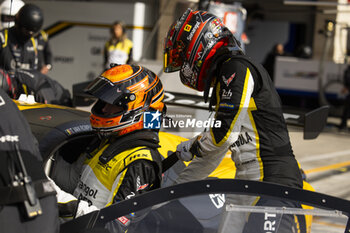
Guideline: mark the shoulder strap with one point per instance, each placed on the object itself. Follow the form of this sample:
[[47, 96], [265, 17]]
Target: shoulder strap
[[34, 45], [95, 142], [142, 138]]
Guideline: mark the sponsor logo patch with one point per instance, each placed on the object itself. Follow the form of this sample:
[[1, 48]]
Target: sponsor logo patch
[[218, 200], [187, 28], [224, 105], [242, 140], [227, 81], [140, 186], [124, 220], [86, 190], [226, 94], [45, 118], [193, 31], [9, 138]]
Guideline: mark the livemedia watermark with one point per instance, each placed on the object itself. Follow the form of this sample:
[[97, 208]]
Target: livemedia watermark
[[153, 120]]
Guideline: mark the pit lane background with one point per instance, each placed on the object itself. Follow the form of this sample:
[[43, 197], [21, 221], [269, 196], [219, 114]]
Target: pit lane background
[[78, 31]]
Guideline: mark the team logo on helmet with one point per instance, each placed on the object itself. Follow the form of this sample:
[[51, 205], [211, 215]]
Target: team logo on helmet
[[189, 37], [216, 27], [187, 28]]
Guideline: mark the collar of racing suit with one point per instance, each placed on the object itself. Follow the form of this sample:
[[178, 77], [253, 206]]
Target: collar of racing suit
[[221, 55], [148, 138], [226, 57]]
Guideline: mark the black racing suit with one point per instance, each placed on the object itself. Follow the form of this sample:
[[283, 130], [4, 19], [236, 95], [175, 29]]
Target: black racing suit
[[16, 53], [252, 127], [19, 61]]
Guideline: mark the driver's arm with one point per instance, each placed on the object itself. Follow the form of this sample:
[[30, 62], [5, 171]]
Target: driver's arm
[[233, 101], [66, 175], [139, 177], [70, 207]]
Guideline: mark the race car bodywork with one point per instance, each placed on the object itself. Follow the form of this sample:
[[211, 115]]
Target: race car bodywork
[[190, 207]]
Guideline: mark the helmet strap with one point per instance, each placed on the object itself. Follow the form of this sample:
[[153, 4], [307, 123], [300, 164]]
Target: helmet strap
[[148, 138]]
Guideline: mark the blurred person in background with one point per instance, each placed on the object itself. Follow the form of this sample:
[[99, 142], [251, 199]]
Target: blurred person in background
[[118, 49], [270, 59], [304, 51], [44, 52], [8, 10], [19, 60], [19, 50]]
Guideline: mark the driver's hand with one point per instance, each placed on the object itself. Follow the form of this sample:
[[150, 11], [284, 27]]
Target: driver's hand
[[184, 150], [45, 69]]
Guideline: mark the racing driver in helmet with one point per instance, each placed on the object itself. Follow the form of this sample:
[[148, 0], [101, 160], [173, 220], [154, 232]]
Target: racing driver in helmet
[[18, 48], [244, 100], [122, 160]]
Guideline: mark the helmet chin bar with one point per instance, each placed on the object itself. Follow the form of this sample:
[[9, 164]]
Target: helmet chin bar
[[103, 135]]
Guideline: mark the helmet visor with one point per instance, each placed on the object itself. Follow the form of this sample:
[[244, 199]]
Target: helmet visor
[[105, 90], [107, 110], [173, 58]]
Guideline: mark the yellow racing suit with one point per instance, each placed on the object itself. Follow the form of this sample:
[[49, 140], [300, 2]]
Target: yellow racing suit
[[113, 169], [129, 173], [120, 52]]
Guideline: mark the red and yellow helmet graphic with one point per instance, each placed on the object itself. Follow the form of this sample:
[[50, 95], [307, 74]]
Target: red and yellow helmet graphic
[[190, 44]]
